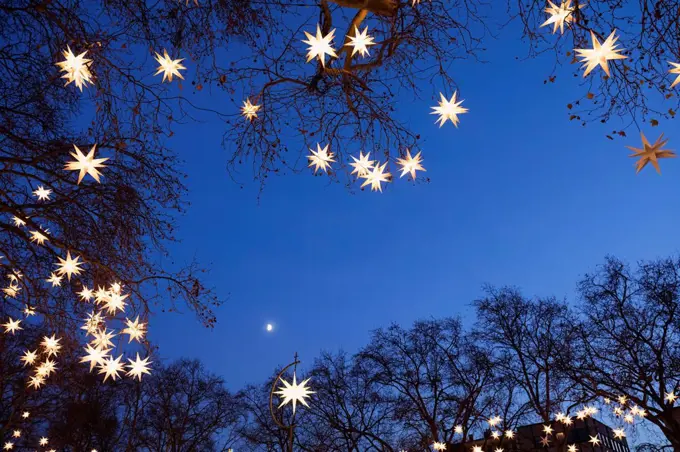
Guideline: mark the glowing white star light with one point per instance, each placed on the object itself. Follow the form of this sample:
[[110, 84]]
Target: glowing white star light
[[376, 176], [676, 71], [448, 110], [560, 15], [42, 193], [168, 66], [360, 42], [86, 164], [600, 54], [69, 266], [76, 68], [134, 329], [12, 326], [294, 392], [362, 165], [110, 367], [138, 367], [320, 46], [321, 158], [249, 110], [409, 164]]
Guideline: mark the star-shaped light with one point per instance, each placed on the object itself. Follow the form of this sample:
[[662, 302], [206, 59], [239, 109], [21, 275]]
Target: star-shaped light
[[622, 399], [249, 110], [360, 42], [12, 326], [16, 434], [86, 294], [110, 367], [590, 410], [92, 323], [25, 415], [376, 176], [51, 345], [138, 367], [629, 418], [477, 449], [495, 434], [76, 68], [619, 433], [362, 165], [95, 356], [675, 70], [42, 193], [293, 392], [409, 164], [9, 445], [650, 153], [594, 440], [102, 339], [46, 368], [449, 110], [115, 302], [38, 237], [641, 412], [493, 421], [607, 401], [438, 446], [320, 46], [581, 415], [69, 266], [35, 381], [545, 441], [321, 158], [134, 329], [43, 441], [600, 53], [458, 429], [559, 15], [18, 222], [29, 357], [572, 448], [567, 420], [86, 164], [509, 434], [54, 279], [547, 429], [168, 66]]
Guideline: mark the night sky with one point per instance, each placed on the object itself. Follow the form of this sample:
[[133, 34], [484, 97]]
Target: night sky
[[519, 195]]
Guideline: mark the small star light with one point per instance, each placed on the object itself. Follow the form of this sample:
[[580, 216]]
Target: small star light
[[458, 429], [376, 176], [676, 71], [619, 433], [114, 302], [477, 449], [51, 345], [629, 418], [12, 326], [607, 401], [102, 338], [168, 66], [42, 193], [138, 367], [110, 367], [572, 448], [18, 222], [410, 164], [76, 68], [25, 414], [86, 294], [362, 165], [8, 445], [294, 392], [509, 434], [86, 164], [600, 53], [54, 279], [493, 421], [16, 434], [134, 329], [360, 42], [249, 110], [547, 429], [594, 440], [545, 441], [567, 420], [29, 357], [43, 441], [650, 153], [38, 237], [495, 434], [69, 266], [320, 46], [95, 356], [449, 110], [622, 399], [36, 381], [438, 446], [559, 15], [321, 159]]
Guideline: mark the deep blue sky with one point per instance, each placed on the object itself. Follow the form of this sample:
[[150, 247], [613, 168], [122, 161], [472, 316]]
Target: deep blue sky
[[519, 195]]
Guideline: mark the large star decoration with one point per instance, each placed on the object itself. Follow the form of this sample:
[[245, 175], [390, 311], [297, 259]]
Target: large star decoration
[[168, 66], [69, 266], [110, 367], [362, 165], [138, 367], [594, 440], [360, 42], [560, 15], [409, 164], [76, 68], [320, 46], [12, 326], [134, 329], [376, 176], [676, 71], [600, 54], [321, 159], [294, 392], [249, 110], [650, 153], [449, 109], [86, 164]]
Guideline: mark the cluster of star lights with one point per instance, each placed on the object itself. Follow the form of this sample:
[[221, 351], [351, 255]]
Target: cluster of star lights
[[622, 409]]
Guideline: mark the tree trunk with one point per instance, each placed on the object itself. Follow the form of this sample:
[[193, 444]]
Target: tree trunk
[[380, 7]]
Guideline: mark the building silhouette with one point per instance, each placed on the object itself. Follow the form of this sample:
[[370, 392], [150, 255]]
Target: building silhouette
[[530, 438]]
